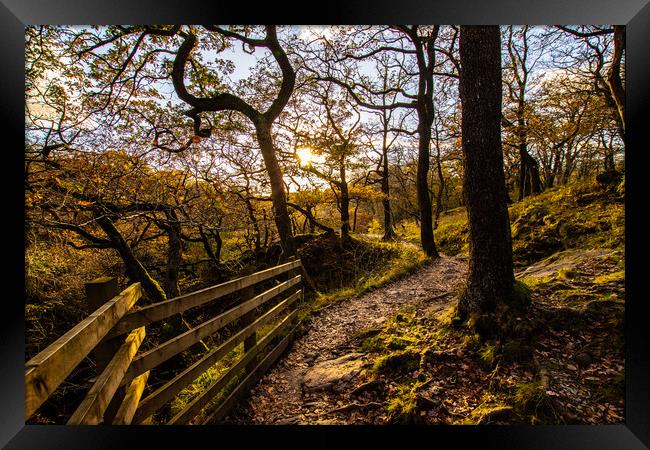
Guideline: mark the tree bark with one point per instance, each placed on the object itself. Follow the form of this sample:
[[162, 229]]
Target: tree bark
[[134, 268], [441, 187], [529, 181], [490, 280], [389, 233], [425, 56], [214, 256], [345, 205], [174, 254], [614, 81], [422, 185], [425, 113], [278, 195]]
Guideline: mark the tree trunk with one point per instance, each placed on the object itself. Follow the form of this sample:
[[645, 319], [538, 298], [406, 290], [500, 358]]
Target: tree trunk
[[312, 227], [422, 184], [529, 181], [491, 277], [134, 268], [345, 207], [534, 181], [254, 223], [441, 181], [389, 233], [614, 81], [425, 112], [354, 220], [217, 239], [313, 223], [174, 255], [278, 195], [523, 169]]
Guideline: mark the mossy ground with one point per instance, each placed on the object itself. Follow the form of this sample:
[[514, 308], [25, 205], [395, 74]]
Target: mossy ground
[[438, 369], [577, 216]]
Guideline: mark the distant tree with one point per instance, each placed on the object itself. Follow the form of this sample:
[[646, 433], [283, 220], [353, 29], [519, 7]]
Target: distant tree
[[607, 81], [415, 51], [521, 62], [334, 136], [391, 125], [490, 280], [565, 120]]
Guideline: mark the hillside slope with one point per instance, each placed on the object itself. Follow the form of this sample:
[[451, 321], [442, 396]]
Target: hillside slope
[[579, 216]]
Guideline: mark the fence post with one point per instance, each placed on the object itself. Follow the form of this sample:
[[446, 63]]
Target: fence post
[[98, 292], [247, 319], [300, 286]]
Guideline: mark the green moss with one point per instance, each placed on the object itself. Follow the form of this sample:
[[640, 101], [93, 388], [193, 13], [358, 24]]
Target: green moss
[[575, 216], [452, 237], [488, 355], [471, 342], [541, 282], [402, 407], [399, 342], [615, 276], [532, 402], [401, 361], [520, 295], [574, 297], [488, 413], [567, 273], [374, 344]]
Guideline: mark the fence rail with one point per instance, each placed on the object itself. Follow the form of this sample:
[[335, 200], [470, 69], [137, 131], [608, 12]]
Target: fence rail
[[115, 331]]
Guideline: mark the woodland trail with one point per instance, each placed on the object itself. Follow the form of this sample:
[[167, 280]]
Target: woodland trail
[[314, 382]]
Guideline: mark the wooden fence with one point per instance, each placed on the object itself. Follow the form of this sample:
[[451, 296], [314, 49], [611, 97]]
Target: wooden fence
[[115, 331]]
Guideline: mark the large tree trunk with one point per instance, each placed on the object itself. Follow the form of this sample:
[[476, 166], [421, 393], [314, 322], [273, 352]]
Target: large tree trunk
[[278, 195], [134, 268], [491, 278]]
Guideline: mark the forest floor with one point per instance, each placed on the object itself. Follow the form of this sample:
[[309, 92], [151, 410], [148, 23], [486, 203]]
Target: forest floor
[[391, 355]]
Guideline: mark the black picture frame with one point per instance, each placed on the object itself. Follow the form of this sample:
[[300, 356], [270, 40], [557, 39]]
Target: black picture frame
[[15, 14]]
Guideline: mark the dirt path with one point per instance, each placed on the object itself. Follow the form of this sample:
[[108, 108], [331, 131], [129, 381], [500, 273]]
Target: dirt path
[[283, 396]]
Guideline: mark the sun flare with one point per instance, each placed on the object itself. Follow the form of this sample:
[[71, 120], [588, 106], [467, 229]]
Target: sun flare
[[305, 156]]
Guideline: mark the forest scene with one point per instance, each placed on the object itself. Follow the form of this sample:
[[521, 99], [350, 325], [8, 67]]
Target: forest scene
[[417, 224]]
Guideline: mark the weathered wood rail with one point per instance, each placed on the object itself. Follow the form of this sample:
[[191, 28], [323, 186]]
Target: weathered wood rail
[[115, 331]]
